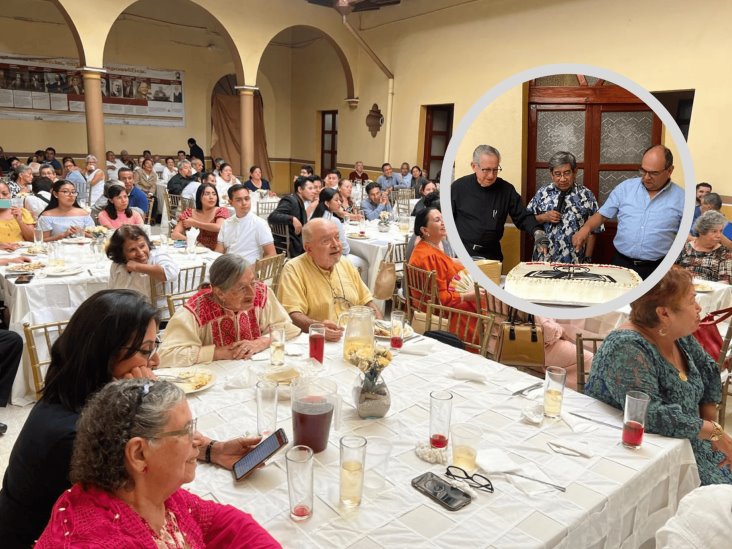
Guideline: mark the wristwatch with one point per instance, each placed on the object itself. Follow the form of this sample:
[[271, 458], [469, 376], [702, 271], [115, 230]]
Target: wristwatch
[[717, 432]]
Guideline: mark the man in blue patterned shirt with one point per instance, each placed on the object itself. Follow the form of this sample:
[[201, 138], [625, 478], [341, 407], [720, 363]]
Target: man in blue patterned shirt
[[563, 207]]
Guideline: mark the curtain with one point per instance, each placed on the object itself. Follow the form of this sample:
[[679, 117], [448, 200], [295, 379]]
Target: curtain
[[225, 132]]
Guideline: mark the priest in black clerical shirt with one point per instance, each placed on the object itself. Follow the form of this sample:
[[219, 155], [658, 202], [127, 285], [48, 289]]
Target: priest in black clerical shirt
[[481, 203]]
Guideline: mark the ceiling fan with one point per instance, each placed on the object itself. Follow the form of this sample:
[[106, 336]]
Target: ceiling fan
[[345, 7]]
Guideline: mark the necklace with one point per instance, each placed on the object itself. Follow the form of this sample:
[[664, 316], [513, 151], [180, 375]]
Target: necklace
[[437, 246]]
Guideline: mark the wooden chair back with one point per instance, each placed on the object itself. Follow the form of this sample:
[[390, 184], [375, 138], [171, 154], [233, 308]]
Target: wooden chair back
[[580, 341], [150, 205], [473, 329], [420, 289], [38, 341], [266, 207], [187, 283], [721, 363], [270, 268], [282, 238]]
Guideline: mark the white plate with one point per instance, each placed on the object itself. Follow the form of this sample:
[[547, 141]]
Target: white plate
[[199, 250], [201, 378], [408, 330], [24, 267], [62, 271], [80, 240]]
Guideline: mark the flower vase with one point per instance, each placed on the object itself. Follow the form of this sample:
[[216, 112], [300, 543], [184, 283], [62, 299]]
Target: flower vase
[[371, 396], [383, 227]]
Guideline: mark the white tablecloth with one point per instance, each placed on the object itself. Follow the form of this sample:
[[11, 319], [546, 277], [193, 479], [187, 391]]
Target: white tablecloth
[[53, 299], [617, 498], [374, 246]]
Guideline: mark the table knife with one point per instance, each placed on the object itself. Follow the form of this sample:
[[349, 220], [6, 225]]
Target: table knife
[[527, 389], [596, 421]]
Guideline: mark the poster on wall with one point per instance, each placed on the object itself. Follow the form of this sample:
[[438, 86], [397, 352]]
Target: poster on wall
[[53, 89]]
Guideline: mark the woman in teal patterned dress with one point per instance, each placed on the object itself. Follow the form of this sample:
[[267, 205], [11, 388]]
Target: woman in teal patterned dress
[[655, 353]]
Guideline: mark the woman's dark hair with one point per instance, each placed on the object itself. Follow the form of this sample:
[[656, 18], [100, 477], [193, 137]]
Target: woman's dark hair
[[199, 193], [224, 165], [424, 184], [326, 195], [421, 220], [108, 327], [669, 292], [113, 192], [53, 203], [432, 200], [42, 184], [255, 167], [115, 250]]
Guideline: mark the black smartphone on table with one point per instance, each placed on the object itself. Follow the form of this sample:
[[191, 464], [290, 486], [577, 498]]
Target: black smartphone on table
[[24, 278], [262, 452], [444, 493]]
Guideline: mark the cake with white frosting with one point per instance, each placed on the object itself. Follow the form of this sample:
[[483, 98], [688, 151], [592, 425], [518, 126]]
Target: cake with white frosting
[[566, 284]]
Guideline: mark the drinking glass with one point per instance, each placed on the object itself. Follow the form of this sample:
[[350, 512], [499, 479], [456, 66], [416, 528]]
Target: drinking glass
[[465, 441], [634, 418], [440, 412], [266, 407], [353, 460], [163, 241], [277, 345], [299, 460], [404, 224], [378, 451], [316, 337], [38, 237], [554, 391], [397, 330]]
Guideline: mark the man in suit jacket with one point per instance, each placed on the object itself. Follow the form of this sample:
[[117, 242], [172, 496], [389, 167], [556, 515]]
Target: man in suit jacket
[[291, 211]]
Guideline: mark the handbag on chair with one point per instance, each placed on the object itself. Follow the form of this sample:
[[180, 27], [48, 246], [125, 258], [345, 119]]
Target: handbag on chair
[[520, 343], [707, 334]]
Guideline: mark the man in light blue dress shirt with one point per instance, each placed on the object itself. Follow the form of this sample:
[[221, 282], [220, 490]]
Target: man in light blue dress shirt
[[648, 209], [376, 202], [390, 180]]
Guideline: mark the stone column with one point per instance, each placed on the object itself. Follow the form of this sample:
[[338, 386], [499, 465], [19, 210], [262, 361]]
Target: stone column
[[94, 113], [246, 135]]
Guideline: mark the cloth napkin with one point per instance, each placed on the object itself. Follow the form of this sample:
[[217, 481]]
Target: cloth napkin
[[494, 461], [420, 348], [568, 446], [461, 371], [244, 380], [192, 237]]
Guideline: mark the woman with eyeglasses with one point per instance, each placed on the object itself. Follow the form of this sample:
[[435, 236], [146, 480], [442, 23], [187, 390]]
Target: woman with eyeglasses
[[135, 261], [63, 217], [112, 335], [229, 319], [135, 447], [207, 217]]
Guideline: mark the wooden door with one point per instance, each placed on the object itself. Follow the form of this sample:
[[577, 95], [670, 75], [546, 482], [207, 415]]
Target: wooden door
[[328, 141], [438, 131]]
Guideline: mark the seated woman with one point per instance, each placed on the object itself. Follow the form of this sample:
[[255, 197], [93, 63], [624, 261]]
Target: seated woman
[[432, 200], [425, 189], [418, 180], [40, 198], [135, 262], [225, 180], [256, 183], [95, 179], [63, 217], [135, 447], [16, 224], [207, 217], [705, 257], [117, 212], [654, 352], [170, 170], [229, 319], [345, 189], [118, 329], [329, 207], [24, 180]]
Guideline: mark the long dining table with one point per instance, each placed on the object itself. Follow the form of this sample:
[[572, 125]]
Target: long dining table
[[55, 296], [373, 244], [615, 497]]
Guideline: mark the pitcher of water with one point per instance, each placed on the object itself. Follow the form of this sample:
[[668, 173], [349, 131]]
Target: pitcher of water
[[315, 403], [359, 335]]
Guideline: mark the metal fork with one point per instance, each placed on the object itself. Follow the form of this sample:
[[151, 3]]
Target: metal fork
[[555, 486]]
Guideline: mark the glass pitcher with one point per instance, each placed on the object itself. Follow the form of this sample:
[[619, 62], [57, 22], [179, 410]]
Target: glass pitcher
[[315, 402], [359, 335]]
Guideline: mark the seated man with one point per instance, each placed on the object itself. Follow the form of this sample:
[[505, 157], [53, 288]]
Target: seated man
[[180, 181], [318, 286], [377, 202], [245, 234], [291, 211], [138, 198], [389, 179], [229, 319]]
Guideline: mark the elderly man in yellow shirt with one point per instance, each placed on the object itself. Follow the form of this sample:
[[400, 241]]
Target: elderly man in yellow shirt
[[318, 286]]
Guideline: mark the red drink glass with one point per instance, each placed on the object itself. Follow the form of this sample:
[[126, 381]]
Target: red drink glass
[[397, 330], [440, 412], [317, 341], [397, 342], [299, 460], [634, 420]]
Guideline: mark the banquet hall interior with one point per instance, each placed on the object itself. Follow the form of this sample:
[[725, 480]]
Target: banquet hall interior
[[284, 83]]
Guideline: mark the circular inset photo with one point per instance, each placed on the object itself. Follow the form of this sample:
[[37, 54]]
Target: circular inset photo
[[572, 194]]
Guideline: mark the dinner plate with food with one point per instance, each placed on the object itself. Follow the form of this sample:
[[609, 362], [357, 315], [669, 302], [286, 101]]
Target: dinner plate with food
[[358, 236], [77, 240], [34, 250], [63, 270], [702, 288], [25, 267], [191, 379], [382, 330]]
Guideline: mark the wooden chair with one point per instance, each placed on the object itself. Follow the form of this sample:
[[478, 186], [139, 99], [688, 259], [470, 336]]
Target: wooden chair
[[186, 284], [176, 301], [420, 289], [726, 385], [47, 333], [582, 375], [270, 268], [266, 207], [151, 204], [491, 306], [282, 238], [402, 208], [458, 322]]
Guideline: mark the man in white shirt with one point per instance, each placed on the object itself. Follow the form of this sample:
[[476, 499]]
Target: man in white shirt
[[245, 234], [197, 165], [331, 179]]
